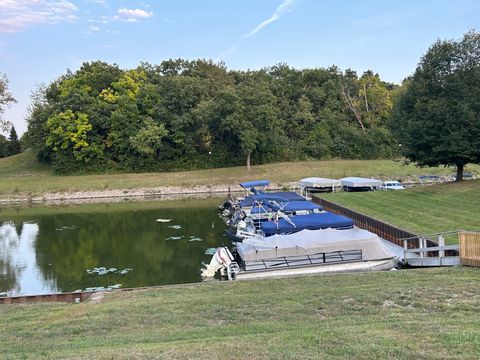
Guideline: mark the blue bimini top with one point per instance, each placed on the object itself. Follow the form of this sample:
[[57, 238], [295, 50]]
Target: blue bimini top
[[262, 198], [289, 195], [311, 222], [250, 184], [286, 207]]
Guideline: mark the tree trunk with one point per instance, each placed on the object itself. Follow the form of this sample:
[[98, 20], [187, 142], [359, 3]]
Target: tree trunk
[[459, 172], [365, 96], [248, 161], [351, 106]]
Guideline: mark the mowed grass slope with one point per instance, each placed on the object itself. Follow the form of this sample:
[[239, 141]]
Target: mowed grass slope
[[411, 314], [422, 210], [23, 174]]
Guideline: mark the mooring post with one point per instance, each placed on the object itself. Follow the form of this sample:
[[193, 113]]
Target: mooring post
[[441, 243]]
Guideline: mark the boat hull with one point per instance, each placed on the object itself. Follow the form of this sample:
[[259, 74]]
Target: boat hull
[[357, 266]]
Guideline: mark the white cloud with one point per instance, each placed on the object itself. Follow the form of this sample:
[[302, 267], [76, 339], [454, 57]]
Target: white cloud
[[100, 2], [284, 7], [91, 29], [19, 15], [132, 15]]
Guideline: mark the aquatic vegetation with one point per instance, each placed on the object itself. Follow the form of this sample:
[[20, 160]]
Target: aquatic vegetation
[[104, 271], [176, 227], [66, 227], [210, 251]]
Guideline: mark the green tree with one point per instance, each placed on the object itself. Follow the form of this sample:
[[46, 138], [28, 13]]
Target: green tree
[[6, 99], [14, 146], [3, 146], [147, 140], [254, 118], [366, 97], [437, 118], [68, 134]]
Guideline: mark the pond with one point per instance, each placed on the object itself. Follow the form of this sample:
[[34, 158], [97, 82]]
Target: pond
[[65, 248]]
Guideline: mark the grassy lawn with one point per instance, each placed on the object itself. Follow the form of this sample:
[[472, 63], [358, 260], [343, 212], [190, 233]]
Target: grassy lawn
[[413, 314], [422, 210], [23, 174]]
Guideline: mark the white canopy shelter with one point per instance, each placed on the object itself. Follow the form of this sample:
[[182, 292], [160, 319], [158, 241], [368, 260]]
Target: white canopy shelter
[[316, 182], [360, 182]]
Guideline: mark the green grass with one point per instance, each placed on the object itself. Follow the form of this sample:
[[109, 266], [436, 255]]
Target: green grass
[[414, 314], [422, 210], [21, 174]]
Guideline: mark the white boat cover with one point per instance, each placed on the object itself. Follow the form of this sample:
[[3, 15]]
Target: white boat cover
[[316, 182], [309, 242], [360, 182]]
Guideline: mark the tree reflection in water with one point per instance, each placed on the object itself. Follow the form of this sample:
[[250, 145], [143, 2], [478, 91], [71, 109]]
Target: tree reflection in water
[[54, 253]]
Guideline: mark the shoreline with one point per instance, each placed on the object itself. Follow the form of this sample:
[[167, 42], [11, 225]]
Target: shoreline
[[116, 195]]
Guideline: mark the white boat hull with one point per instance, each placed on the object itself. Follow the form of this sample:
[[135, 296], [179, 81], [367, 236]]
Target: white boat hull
[[357, 266]]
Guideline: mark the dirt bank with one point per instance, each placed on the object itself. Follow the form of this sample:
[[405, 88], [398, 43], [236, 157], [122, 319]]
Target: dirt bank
[[165, 192]]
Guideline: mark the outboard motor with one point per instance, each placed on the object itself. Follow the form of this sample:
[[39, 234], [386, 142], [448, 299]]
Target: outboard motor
[[220, 260]]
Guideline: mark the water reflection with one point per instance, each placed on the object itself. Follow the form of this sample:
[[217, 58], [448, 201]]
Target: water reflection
[[53, 251]]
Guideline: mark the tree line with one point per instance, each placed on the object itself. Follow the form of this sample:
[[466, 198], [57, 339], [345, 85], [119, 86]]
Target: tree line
[[182, 114]]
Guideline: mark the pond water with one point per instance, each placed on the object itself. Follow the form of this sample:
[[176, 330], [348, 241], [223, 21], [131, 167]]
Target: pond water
[[64, 248]]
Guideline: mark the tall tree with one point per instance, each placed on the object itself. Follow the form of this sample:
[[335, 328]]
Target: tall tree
[[437, 119], [14, 146], [3, 146], [6, 99]]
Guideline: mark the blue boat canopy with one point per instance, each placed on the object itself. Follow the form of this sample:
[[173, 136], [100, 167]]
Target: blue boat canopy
[[262, 198], [288, 207], [311, 222], [289, 195], [250, 184], [300, 205]]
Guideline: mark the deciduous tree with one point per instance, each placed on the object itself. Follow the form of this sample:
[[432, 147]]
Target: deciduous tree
[[437, 118]]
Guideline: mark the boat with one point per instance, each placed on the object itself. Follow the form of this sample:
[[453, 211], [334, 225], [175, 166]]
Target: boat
[[255, 192], [301, 253], [262, 214]]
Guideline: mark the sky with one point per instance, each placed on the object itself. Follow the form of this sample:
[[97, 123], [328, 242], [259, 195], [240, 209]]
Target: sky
[[41, 39]]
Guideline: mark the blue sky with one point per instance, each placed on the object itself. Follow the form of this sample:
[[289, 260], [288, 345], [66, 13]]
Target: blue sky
[[40, 39]]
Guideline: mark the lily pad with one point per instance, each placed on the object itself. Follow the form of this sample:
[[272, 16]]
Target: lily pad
[[176, 227]]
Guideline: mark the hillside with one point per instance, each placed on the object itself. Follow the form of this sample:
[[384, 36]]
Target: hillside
[[23, 174]]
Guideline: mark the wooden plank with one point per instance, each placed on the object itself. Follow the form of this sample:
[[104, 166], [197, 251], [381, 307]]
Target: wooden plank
[[469, 248]]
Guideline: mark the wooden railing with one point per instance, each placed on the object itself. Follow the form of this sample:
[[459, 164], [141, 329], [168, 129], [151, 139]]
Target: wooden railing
[[469, 247], [386, 231]]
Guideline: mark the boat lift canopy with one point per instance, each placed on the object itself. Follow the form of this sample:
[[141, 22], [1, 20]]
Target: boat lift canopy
[[355, 182], [316, 182]]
